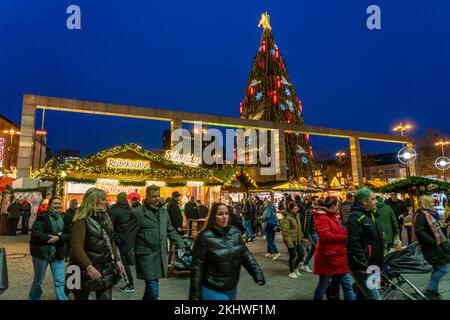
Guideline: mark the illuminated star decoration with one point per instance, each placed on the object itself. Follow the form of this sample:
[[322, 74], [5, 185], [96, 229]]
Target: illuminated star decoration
[[300, 150], [259, 95], [288, 92], [283, 107], [255, 82], [284, 81], [272, 52], [305, 160]]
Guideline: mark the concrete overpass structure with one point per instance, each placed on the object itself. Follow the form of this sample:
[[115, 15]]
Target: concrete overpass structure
[[33, 102]]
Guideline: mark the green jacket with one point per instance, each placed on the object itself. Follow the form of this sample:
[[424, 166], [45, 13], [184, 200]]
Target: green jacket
[[146, 241], [388, 221], [290, 229]]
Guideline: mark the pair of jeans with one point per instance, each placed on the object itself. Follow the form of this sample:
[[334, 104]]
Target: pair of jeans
[[100, 295], [151, 290], [347, 286], [336, 281], [25, 223], [439, 271], [122, 252], [270, 238], [296, 255], [58, 271], [314, 239], [248, 230], [208, 294], [363, 292]]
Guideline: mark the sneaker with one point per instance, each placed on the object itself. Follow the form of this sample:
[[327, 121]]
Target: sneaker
[[305, 268], [276, 256], [127, 288], [268, 255], [293, 275], [298, 273]]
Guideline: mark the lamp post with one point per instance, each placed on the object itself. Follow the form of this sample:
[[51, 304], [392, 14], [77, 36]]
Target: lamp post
[[401, 127], [340, 154], [443, 162], [11, 133]]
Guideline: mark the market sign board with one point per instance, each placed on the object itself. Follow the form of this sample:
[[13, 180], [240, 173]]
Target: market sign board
[[2, 150], [187, 159], [112, 186], [119, 163]]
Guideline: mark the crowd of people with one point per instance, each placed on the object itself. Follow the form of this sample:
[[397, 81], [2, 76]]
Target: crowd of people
[[343, 238]]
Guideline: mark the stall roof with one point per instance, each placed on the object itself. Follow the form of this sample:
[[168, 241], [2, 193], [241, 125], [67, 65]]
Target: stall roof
[[416, 186]]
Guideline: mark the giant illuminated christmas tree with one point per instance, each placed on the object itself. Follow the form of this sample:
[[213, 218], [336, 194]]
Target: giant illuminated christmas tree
[[270, 95]]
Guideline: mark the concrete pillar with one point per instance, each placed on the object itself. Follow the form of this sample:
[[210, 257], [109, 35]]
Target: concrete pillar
[[26, 136], [280, 154], [413, 168], [355, 156], [174, 125]]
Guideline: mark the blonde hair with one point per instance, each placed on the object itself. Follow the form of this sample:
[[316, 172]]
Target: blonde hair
[[427, 202], [90, 200]]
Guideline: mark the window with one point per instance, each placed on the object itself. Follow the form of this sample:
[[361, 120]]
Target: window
[[393, 171], [386, 171]]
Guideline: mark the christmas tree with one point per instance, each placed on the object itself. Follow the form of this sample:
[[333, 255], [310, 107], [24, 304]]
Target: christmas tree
[[270, 95]]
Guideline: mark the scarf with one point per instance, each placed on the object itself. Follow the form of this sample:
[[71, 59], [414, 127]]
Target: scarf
[[56, 222], [434, 226]]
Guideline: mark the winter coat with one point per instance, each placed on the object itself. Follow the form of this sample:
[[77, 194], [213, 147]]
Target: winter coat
[[330, 256], [216, 261], [191, 210], [290, 229], [399, 208], [346, 210], [68, 218], [26, 209], [15, 210], [120, 215], [175, 214], [148, 229], [42, 229], [89, 247], [308, 222], [388, 221], [432, 253], [365, 244], [270, 216], [249, 211], [202, 211]]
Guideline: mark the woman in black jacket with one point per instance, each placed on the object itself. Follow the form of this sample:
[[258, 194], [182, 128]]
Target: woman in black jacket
[[435, 246], [48, 247], [218, 254]]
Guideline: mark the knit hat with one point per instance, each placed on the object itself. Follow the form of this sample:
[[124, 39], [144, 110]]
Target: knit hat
[[122, 198], [362, 194]]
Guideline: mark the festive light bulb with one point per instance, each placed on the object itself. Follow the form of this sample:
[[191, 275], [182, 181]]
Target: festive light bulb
[[278, 82], [442, 163], [407, 155]]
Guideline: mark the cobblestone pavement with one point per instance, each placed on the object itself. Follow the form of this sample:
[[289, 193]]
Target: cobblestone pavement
[[278, 284]]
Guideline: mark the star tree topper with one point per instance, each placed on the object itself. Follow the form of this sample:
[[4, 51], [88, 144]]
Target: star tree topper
[[265, 21]]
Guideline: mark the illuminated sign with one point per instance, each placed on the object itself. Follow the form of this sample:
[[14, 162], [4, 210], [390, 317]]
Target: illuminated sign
[[194, 183], [187, 159], [119, 163], [2, 151], [155, 183], [113, 186]]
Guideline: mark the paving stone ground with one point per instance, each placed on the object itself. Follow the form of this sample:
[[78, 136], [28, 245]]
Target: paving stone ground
[[278, 287]]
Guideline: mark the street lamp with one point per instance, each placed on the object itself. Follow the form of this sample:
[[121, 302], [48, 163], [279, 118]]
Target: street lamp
[[442, 163], [405, 154], [340, 154], [11, 133]]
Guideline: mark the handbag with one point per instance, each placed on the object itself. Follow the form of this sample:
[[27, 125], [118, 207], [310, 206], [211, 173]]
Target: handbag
[[3, 271], [116, 270]]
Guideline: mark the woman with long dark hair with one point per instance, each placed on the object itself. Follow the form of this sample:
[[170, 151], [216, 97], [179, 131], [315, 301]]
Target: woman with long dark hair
[[218, 254]]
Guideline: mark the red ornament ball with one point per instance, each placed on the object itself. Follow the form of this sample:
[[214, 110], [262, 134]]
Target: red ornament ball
[[261, 65]]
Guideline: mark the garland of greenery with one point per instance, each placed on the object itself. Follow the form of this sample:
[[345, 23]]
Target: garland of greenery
[[139, 183], [416, 185]]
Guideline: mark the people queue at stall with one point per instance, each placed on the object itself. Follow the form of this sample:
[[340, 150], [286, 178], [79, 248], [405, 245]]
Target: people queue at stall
[[343, 238]]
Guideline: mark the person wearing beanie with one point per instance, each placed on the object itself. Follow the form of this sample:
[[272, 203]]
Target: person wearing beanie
[[120, 216], [365, 246]]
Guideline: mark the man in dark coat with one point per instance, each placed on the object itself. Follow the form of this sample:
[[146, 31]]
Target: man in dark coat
[[26, 213], [14, 212], [191, 211], [202, 210], [68, 218], [365, 247], [399, 208], [120, 216], [148, 229], [175, 213]]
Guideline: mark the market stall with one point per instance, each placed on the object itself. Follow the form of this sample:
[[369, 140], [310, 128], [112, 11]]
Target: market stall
[[236, 184], [128, 168]]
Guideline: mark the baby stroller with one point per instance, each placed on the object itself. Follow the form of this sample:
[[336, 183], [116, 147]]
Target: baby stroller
[[181, 260], [410, 260]]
